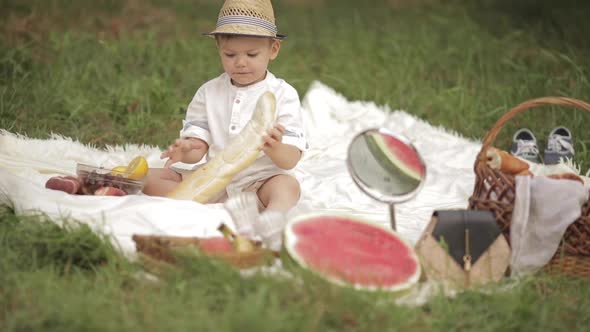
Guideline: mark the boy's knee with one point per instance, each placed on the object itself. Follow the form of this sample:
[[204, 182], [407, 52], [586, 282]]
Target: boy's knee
[[289, 193], [291, 186], [160, 181], [284, 188]]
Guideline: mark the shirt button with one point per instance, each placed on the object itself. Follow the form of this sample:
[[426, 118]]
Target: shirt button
[[233, 127], [237, 101]]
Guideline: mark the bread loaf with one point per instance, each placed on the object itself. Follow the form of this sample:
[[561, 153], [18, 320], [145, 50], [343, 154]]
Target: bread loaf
[[505, 162]]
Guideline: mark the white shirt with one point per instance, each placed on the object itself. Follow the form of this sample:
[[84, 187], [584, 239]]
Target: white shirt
[[219, 111]]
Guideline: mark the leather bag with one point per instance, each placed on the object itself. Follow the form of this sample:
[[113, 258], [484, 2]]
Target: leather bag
[[464, 248]]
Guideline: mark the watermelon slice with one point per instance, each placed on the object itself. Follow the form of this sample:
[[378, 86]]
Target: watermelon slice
[[215, 245], [395, 155], [349, 251]]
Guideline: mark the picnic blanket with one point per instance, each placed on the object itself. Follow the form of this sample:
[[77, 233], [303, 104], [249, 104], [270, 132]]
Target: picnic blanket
[[331, 123]]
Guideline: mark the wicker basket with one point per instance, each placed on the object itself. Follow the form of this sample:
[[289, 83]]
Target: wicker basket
[[162, 249], [495, 191]]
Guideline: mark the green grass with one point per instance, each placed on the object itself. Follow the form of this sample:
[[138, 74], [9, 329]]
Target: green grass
[[113, 72]]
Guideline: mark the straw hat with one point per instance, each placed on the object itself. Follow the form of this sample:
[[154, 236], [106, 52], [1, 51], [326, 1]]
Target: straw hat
[[248, 18]]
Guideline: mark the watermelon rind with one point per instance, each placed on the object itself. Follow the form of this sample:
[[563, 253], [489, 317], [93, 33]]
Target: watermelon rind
[[290, 241], [390, 161]]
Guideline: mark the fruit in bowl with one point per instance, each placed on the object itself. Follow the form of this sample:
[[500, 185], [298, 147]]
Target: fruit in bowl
[[128, 179]]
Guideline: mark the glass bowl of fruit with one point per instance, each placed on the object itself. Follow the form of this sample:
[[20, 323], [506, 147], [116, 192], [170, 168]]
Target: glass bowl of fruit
[[118, 181]]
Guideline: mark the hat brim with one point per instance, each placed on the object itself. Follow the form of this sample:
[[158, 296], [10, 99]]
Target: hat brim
[[213, 34]]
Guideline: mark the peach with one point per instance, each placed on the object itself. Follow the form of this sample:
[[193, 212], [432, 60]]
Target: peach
[[109, 191]]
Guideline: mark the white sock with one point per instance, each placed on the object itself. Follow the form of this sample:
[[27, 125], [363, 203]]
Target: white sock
[[243, 209], [269, 226]]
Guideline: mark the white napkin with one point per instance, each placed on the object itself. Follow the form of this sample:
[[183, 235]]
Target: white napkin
[[543, 209]]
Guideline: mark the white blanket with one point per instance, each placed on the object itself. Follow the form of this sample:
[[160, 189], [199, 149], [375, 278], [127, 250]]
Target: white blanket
[[332, 121]]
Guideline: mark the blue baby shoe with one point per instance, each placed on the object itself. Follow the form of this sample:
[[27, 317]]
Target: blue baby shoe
[[559, 145], [524, 145]]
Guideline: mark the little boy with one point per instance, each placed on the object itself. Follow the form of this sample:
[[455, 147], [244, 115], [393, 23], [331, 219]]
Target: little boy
[[247, 41]]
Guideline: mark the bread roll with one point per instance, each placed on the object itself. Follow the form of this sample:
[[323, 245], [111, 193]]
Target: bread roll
[[566, 176], [525, 172], [505, 162]]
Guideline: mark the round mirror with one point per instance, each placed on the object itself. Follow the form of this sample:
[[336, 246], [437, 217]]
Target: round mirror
[[386, 166]]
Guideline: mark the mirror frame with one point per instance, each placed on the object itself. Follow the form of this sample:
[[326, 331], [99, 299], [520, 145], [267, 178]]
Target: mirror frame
[[372, 192]]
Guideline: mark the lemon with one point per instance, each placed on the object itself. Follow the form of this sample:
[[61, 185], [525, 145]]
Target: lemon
[[119, 171], [137, 168]]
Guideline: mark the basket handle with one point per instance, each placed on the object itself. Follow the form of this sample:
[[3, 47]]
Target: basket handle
[[493, 132]]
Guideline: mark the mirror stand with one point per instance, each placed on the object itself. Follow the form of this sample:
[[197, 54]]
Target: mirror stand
[[392, 216], [386, 166]]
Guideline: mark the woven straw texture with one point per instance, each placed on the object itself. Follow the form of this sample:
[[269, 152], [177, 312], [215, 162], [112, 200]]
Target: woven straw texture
[[256, 8], [438, 265], [495, 191], [261, 9]]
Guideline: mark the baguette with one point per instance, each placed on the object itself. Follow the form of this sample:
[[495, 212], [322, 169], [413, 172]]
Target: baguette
[[207, 181]]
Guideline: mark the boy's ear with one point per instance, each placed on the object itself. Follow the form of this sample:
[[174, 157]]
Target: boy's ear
[[274, 49]]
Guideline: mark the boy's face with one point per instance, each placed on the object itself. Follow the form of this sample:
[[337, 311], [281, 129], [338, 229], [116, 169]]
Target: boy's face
[[245, 59]]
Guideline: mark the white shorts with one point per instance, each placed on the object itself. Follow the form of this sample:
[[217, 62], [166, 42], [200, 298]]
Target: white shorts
[[250, 187]]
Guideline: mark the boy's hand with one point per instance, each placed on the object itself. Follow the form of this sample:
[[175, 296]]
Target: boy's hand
[[177, 151], [273, 137], [285, 156]]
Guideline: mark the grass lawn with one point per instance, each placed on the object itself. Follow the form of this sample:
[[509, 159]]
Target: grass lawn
[[114, 72]]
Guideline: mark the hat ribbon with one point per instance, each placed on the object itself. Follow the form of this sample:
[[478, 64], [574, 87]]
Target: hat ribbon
[[247, 20]]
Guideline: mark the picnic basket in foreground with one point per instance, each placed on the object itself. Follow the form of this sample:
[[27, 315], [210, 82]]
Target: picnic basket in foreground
[[495, 191]]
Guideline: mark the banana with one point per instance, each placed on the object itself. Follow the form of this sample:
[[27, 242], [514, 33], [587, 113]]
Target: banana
[[240, 243], [206, 182]]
